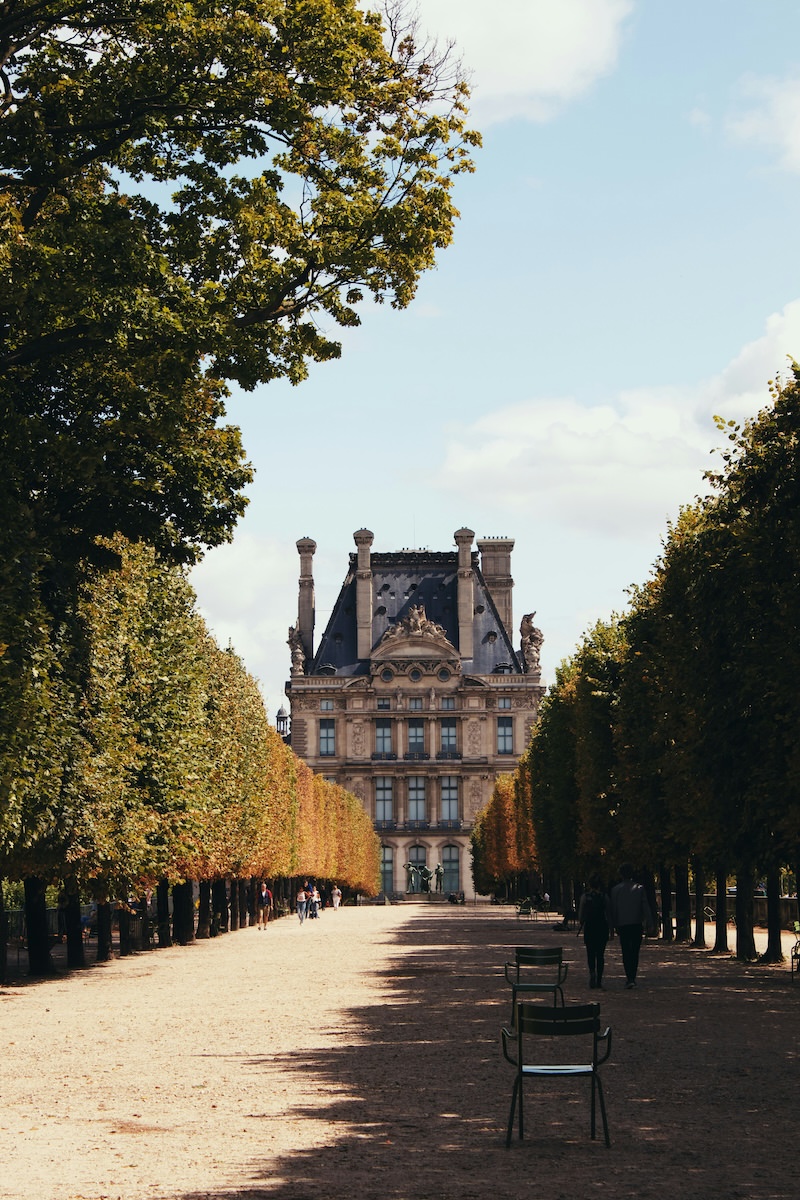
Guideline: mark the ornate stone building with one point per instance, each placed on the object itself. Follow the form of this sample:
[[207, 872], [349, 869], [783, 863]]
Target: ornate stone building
[[416, 699]]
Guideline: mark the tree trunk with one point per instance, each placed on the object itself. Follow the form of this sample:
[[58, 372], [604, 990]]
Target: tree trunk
[[204, 911], [219, 905], [234, 905], [162, 914], [124, 924], [244, 914], [774, 951], [146, 942], [104, 939], [3, 939], [183, 913], [745, 941], [39, 960], [683, 903], [699, 905], [721, 911], [76, 957], [665, 881]]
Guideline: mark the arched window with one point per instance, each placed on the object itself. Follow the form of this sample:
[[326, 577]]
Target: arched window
[[452, 873], [387, 870], [416, 856]]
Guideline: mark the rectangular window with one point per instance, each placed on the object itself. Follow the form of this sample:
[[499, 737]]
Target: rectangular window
[[383, 736], [416, 736], [384, 703], [327, 737], [504, 702], [448, 733], [505, 736], [448, 703], [450, 798], [326, 705], [415, 704], [384, 799], [416, 798]]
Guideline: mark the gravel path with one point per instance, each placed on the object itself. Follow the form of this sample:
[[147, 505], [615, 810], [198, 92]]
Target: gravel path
[[358, 1057]]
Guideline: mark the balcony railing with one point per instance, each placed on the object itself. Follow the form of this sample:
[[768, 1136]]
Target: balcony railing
[[416, 756], [383, 755], [448, 754], [413, 826]]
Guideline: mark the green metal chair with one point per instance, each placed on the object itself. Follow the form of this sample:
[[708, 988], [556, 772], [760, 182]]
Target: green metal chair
[[523, 1047], [536, 970]]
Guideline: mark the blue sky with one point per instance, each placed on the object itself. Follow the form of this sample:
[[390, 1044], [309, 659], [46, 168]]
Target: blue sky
[[627, 264]]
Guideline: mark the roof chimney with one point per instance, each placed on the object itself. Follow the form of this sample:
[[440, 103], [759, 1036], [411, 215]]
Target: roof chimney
[[496, 571], [363, 539], [463, 539], [305, 601]]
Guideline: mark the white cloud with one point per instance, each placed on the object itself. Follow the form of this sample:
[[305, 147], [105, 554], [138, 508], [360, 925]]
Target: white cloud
[[529, 57], [247, 594], [621, 469], [774, 119], [699, 118]]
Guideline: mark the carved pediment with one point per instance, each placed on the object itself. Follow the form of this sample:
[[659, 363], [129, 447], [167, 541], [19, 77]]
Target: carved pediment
[[414, 637]]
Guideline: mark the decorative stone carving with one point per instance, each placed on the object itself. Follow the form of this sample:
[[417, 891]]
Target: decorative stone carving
[[473, 739], [414, 622], [358, 788], [475, 797], [359, 740], [531, 643], [295, 644]]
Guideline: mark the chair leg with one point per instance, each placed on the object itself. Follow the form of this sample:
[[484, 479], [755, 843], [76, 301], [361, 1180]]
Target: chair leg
[[603, 1109], [511, 1114]]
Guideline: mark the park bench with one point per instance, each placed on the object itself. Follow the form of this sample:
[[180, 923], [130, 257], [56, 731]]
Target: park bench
[[536, 970]]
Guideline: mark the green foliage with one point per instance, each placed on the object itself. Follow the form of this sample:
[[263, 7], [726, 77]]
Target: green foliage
[[291, 155]]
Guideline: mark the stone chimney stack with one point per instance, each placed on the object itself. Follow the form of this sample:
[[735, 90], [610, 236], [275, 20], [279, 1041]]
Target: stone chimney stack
[[305, 601], [363, 539], [463, 538], [496, 570]]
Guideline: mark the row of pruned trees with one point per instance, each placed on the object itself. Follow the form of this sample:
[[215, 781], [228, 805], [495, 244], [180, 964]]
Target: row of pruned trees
[[142, 758], [670, 737]]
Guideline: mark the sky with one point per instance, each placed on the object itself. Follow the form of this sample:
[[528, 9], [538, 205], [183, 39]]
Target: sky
[[626, 266]]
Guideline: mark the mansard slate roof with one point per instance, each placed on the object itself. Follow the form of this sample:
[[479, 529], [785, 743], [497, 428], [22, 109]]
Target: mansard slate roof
[[407, 579]]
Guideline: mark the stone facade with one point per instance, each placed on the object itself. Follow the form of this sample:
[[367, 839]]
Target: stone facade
[[416, 699]]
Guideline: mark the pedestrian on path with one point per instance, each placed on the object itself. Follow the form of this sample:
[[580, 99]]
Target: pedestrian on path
[[264, 905], [594, 921], [630, 914]]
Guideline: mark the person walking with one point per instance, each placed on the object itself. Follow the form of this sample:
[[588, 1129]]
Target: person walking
[[594, 921], [336, 897], [263, 905], [630, 915], [302, 902]]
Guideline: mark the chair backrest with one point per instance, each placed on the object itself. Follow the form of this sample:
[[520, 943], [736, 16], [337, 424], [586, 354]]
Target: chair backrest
[[538, 1021], [538, 956], [569, 1020]]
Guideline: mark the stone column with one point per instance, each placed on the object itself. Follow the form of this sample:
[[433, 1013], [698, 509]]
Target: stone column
[[363, 539], [305, 601], [463, 538]]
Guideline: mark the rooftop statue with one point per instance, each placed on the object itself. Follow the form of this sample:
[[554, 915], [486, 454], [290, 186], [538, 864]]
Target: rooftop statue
[[531, 642], [414, 622]]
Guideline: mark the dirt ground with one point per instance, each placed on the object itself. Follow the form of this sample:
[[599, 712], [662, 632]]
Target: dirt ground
[[358, 1056]]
